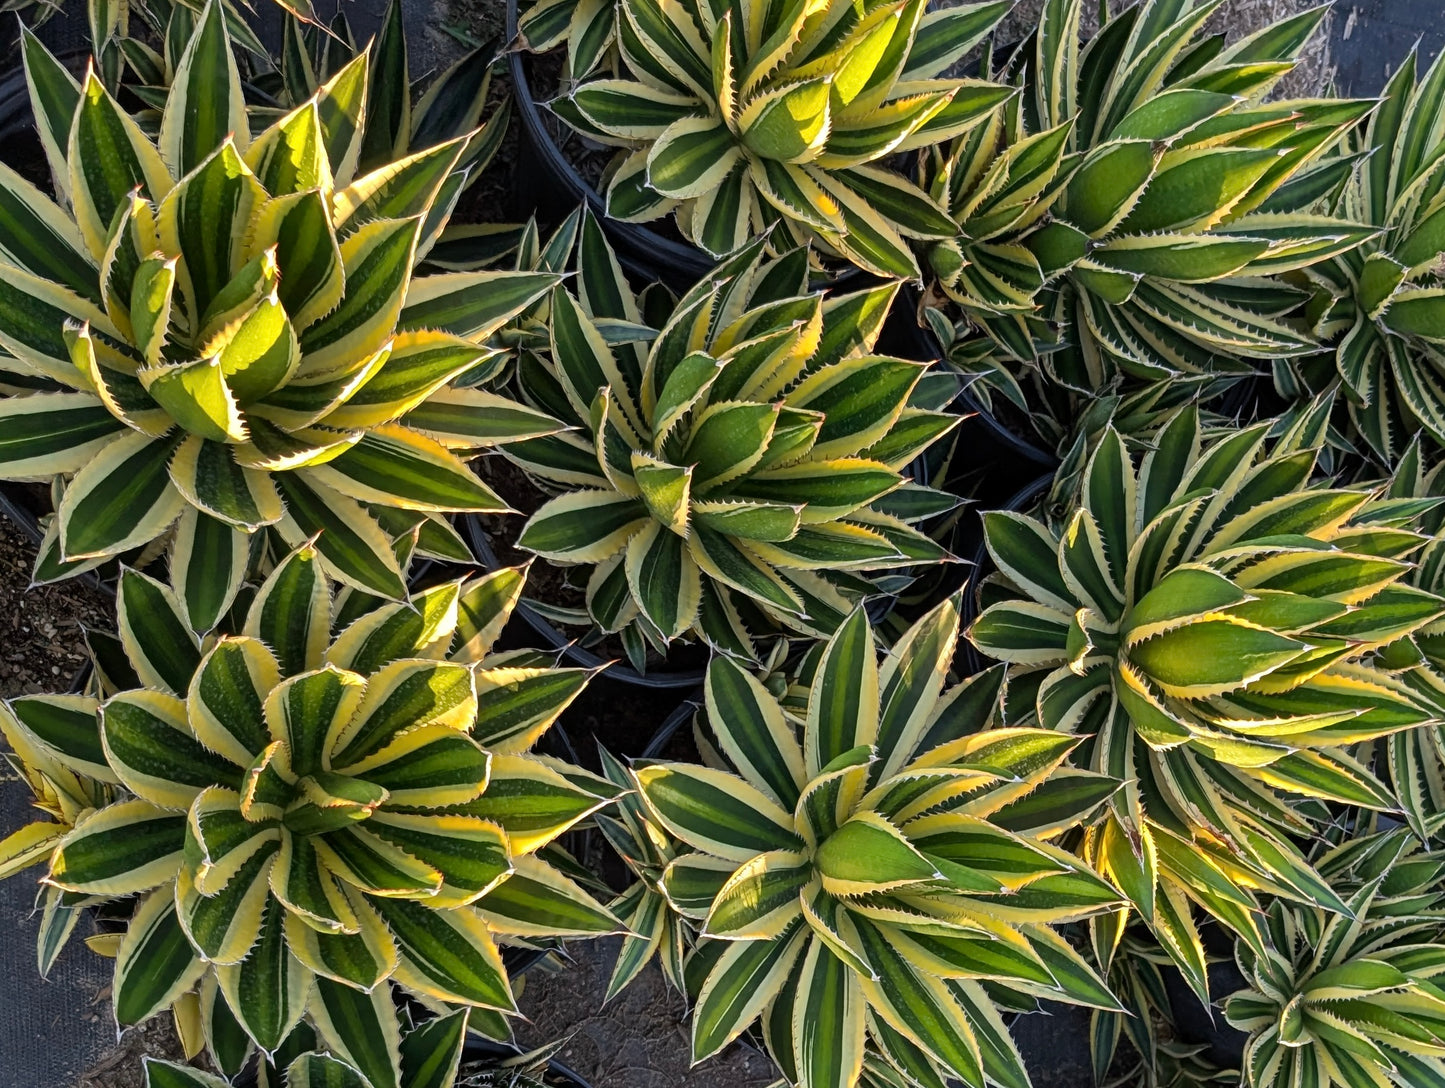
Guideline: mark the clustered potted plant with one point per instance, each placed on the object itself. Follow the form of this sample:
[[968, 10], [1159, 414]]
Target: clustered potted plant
[[1178, 743]]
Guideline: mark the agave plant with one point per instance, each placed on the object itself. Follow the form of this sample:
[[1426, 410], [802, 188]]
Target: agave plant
[[1388, 295], [116, 38], [655, 929], [305, 811], [741, 115], [1136, 976], [1125, 222], [237, 329], [997, 184], [730, 477], [429, 1055], [1210, 619], [857, 881], [1353, 998], [1178, 1065], [63, 791], [588, 28], [1416, 757]]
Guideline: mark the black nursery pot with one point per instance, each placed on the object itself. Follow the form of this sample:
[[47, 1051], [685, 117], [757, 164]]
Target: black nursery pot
[[1207, 1026], [660, 679], [668, 729], [551, 185], [15, 114]]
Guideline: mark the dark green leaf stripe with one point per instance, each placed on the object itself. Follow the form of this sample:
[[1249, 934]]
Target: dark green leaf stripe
[[404, 630], [372, 865], [210, 578], [466, 861], [129, 492], [387, 465], [260, 988], [222, 486], [32, 242], [156, 961], [306, 252], [139, 743], [429, 1055], [104, 160], [157, 638], [451, 759], [340, 104], [221, 830], [321, 1071], [829, 1042], [524, 805], [294, 611], [863, 399], [348, 550], [387, 94], [750, 971], [210, 918], [407, 187], [408, 373], [425, 692], [203, 98], [536, 905], [372, 285], [475, 303], [225, 686], [742, 570], [355, 1019], [66, 723], [33, 322], [574, 528], [211, 199], [309, 707], [70, 420], [54, 92], [442, 951], [92, 857], [846, 692], [350, 957], [505, 711], [938, 1026], [700, 806], [757, 730]]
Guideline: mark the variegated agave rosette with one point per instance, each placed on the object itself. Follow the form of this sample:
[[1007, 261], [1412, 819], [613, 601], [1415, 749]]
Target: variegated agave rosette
[[1125, 222], [1353, 998], [741, 114], [1213, 619], [866, 865], [1416, 757], [1386, 298], [341, 794], [729, 478], [238, 330]]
